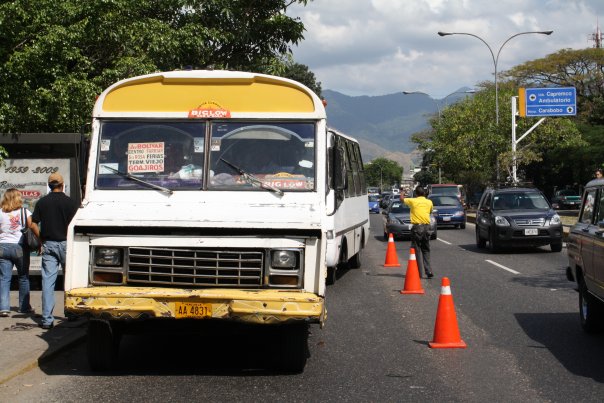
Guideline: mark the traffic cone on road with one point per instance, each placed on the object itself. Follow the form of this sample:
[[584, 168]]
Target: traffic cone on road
[[446, 331], [391, 257], [412, 282]]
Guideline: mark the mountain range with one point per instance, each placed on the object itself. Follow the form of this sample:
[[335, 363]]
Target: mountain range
[[384, 124]]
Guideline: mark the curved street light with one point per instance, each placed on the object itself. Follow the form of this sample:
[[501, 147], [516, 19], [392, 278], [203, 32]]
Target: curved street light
[[495, 59]]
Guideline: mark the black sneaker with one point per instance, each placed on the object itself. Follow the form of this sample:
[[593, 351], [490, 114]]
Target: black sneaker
[[46, 326], [4, 314], [30, 311], [430, 275]]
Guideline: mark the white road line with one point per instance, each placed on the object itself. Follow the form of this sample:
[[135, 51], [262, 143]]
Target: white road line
[[443, 241], [502, 266]]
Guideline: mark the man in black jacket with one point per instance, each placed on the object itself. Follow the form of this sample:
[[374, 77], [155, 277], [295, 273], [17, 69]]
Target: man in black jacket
[[54, 212]]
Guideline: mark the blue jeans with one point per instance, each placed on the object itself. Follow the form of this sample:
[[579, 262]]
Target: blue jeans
[[13, 254], [53, 255]]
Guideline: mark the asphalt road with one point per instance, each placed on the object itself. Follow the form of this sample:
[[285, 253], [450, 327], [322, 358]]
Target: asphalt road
[[516, 311]]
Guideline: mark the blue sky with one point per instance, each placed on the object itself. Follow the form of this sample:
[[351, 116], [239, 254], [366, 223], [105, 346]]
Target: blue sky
[[378, 47]]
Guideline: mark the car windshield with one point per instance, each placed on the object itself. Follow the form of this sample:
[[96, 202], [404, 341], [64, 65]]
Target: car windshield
[[373, 198], [519, 201], [398, 208], [445, 201]]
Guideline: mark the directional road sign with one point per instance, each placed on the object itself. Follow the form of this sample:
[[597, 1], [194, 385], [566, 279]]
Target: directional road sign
[[555, 101]]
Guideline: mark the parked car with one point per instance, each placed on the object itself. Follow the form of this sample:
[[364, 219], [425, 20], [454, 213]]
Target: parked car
[[397, 221], [517, 217], [566, 199], [448, 211], [374, 204], [585, 248], [448, 189]]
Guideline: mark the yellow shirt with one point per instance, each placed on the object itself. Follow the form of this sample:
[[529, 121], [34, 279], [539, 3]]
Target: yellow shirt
[[420, 209]]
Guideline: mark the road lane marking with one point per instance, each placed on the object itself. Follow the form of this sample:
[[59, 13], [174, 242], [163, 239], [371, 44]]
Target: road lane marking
[[443, 241], [502, 266]]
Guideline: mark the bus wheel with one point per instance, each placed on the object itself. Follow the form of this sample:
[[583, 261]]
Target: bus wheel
[[294, 348], [356, 261], [102, 345], [331, 275]]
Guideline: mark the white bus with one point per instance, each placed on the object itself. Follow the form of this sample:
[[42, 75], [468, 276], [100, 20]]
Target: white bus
[[213, 195]]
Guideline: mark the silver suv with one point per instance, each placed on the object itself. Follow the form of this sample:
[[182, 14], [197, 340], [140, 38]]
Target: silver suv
[[585, 247]]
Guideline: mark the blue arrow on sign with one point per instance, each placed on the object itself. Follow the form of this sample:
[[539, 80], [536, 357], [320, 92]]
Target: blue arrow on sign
[[555, 101]]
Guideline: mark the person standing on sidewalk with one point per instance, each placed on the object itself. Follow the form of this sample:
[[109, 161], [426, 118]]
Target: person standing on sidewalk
[[421, 209], [13, 217], [54, 213]]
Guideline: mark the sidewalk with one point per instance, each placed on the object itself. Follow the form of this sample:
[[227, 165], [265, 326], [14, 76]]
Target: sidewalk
[[25, 345]]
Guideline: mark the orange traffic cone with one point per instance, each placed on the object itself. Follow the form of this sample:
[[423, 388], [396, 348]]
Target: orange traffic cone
[[391, 257], [446, 331], [412, 283]]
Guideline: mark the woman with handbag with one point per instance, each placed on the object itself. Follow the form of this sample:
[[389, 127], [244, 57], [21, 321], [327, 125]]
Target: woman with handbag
[[13, 219]]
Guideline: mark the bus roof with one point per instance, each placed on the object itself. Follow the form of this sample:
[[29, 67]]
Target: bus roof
[[208, 93]]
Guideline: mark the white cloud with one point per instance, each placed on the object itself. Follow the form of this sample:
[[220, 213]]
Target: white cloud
[[376, 47]]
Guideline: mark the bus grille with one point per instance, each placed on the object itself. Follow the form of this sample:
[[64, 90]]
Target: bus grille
[[195, 267]]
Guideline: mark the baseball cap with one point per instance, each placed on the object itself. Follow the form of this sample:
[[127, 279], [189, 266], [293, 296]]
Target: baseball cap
[[56, 178]]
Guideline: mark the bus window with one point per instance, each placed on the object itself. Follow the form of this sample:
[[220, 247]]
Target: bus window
[[278, 154], [164, 154]]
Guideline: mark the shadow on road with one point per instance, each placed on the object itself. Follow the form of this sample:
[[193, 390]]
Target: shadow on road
[[580, 353]]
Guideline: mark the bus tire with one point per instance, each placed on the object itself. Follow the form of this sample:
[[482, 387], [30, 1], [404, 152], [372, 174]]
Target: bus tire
[[356, 261], [102, 345], [294, 348], [331, 275]]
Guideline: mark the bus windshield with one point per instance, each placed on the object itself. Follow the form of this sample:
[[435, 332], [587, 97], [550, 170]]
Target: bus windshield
[[172, 155]]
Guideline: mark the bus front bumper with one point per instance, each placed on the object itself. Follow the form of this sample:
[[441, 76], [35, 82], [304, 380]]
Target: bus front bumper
[[251, 306]]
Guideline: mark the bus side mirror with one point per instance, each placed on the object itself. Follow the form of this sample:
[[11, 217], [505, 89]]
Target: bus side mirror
[[340, 169]]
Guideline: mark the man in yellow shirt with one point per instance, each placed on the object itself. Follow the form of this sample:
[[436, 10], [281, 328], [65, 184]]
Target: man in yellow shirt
[[421, 209]]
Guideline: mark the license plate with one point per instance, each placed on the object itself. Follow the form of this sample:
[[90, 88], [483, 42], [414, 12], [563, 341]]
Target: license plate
[[192, 310], [446, 218], [531, 231]]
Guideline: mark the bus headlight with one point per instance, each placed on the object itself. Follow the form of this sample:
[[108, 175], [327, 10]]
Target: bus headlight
[[283, 259], [285, 268], [108, 257]]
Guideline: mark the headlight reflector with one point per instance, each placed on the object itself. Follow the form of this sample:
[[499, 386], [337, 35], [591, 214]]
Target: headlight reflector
[[108, 257], [283, 259]]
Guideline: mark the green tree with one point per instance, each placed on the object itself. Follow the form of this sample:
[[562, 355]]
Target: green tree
[[468, 145], [383, 172], [57, 56], [301, 73], [580, 68]]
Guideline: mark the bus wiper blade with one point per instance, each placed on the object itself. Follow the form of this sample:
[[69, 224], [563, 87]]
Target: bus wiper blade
[[252, 180], [134, 178]]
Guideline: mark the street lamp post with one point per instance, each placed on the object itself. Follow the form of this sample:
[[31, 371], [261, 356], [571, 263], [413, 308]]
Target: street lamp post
[[495, 61]]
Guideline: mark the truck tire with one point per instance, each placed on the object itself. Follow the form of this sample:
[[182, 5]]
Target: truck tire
[[293, 346], [590, 310], [102, 345]]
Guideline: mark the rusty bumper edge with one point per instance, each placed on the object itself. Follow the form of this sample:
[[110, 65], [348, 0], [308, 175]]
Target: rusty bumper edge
[[255, 306]]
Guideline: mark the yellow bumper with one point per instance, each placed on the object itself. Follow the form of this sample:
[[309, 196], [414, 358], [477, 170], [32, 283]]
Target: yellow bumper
[[254, 306]]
